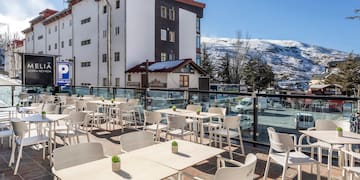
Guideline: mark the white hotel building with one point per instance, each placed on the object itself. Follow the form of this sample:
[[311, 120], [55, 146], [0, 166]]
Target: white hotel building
[[108, 37]]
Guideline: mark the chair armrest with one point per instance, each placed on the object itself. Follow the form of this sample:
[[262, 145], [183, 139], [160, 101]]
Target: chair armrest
[[351, 153], [311, 129], [221, 162], [295, 138]]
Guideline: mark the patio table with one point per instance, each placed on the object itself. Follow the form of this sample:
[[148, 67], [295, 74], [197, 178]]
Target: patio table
[[331, 138], [191, 114], [132, 167], [50, 119]]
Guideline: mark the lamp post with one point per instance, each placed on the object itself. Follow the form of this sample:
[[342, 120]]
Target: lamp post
[[73, 64]]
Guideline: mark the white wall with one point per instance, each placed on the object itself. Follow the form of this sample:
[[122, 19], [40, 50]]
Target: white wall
[[29, 42], [187, 34], [65, 35], [39, 30], [174, 80], [140, 31]]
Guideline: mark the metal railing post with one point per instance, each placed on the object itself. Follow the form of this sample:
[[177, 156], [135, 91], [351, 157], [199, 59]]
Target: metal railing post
[[91, 90], [255, 117], [114, 93], [12, 95], [145, 91]]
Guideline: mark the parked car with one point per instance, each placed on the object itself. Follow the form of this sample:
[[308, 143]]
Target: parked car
[[245, 105], [304, 120], [245, 122]]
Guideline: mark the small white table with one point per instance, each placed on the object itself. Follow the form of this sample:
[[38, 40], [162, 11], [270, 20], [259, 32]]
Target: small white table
[[191, 114], [50, 119], [189, 154], [331, 138], [132, 167]]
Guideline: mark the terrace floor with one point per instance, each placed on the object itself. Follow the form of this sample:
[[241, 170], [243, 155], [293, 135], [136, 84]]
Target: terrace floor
[[32, 166]]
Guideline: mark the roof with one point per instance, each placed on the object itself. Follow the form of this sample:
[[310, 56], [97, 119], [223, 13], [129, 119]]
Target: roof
[[165, 66], [27, 30], [43, 15], [322, 86], [192, 3], [57, 16]]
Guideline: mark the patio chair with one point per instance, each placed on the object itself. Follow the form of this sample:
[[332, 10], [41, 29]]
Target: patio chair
[[215, 125], [50, 108], [191, 121], [351, 168], [326, 125], [80, 105], [24, 99], [75, 121], [231, 129], [136, 140], [96, 116], [242, 171], [152, 122], [69, 156], [20, 128], [176, 127], [283, 151], [5, 132], [121, 99], [126, 115]]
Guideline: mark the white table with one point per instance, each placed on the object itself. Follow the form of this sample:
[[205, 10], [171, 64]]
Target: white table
[[50, 119], [189, 154], [331, 138], [132, 167], [191, 114]]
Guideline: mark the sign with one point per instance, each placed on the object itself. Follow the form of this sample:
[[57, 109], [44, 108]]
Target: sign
[[63, 73], [38, 70]]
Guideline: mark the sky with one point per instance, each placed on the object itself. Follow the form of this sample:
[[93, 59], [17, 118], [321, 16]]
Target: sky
[[318, 22]]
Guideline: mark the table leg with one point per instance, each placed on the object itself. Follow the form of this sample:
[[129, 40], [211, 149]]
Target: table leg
[[201, 132], [330, 161], [50, 143]]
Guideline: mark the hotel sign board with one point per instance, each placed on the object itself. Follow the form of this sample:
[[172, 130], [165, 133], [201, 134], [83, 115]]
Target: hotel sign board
[[63, 70], [38, 70]]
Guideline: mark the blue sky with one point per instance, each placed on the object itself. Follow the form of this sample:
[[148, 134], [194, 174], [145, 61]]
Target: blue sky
[[318, 22]]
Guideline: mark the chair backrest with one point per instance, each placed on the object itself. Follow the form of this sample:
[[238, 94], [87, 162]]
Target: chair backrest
[[193, 107], [121, 99], [245, 172], [331, 125], [218, 110], [133, 102], [80, 105], [280, 142], [49, 108], [67, 110], [124, 107], [19, 127], [77, 117], [91, 106], [135, 140], [152, 117], [232, 122], [23, 96], [70, 100], [176, 122], [73, 155]]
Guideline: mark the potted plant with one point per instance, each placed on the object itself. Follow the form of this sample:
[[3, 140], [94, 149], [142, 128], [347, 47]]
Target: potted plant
[[339, 131], [174, 147], [173, 108], [17, 107], [198, 111], [116, 164], [43, 114], [112, 100], [102, 99]]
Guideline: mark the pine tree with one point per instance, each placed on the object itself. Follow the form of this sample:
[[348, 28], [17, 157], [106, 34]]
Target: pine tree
[[224, 72], [206, 63], [258, 74]]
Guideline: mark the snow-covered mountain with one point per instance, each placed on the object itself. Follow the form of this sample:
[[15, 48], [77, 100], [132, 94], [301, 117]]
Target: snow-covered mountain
[[290, 60]]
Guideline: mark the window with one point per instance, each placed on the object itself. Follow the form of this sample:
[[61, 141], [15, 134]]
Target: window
[[105, 82], [104, 57], [117, 4], [55, 28], [86, 64], [117, 56], [163, 12], [171, 56], [198, 41], [55, 46], [198, 25], [104, 9], [86, 20], [32, 37], [104, 33], [129, 77], [117, 30], [49, 48], [163, 56], [62, 26], [70, 22], [86, 42], [184, 80], [172, 14], [49, 31], [163, 35], [70, 42], [172, 36], [40, 37], [117, 82], [62, 44]]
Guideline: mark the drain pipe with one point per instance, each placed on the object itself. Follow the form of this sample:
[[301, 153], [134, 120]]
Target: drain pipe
[[109, 29]]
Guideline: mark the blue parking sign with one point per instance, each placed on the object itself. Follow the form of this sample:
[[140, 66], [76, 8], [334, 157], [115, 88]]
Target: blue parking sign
[[63, 71]]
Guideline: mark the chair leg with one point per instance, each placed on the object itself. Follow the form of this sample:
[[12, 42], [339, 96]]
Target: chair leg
[[18, 159], [320, 154], [318, 171], [267, 168], [241, 144], [87, 136], [229, 144], [13, 149], [43, 144], [343, 174], [299, 173], [77, 139], [220, 139], [312, 157], [283, 176]]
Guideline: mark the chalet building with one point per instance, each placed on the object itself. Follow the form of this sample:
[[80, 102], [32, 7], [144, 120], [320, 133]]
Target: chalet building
[[104, 38]]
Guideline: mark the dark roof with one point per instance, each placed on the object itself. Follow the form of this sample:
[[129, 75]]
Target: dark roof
[[192, 3], [165, 66]]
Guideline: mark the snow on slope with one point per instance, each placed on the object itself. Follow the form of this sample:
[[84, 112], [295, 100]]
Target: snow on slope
[[290, 60]]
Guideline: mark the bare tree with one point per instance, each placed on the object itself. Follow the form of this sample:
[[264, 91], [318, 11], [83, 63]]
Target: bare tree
[[241, 55]]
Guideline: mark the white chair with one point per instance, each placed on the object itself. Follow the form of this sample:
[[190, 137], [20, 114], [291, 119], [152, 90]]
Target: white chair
[[326, 125], [121, 99], [152, 123], [353, 170], [80, 105], [221, 112], [69, 156], [50, 108], [283, 151], [75, 121], [243, 171], [5, 131], [231, 129], [191, 121], [133, 102], [126, 114], [176, 127], [136, 140], [20, 128], [97, 117], [24, 99]]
